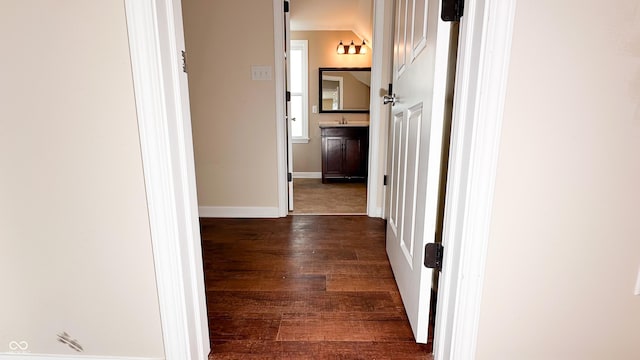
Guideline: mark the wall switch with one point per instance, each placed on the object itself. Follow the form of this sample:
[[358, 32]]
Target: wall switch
[[314, 109], [260, 72], [637, 290]]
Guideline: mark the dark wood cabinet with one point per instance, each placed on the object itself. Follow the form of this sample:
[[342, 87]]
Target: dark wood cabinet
[[345, 153]]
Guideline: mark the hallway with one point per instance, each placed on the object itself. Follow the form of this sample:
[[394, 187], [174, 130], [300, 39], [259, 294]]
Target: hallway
[[303, 287]]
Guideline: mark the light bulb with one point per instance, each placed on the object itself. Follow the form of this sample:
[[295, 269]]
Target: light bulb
[[340, 48], [352, 48], [363, 48]]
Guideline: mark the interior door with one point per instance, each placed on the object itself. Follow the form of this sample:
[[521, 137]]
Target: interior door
[[421, 44], [287, 46]]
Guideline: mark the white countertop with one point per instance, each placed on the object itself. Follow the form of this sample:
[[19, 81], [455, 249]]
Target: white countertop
[[336, 123]]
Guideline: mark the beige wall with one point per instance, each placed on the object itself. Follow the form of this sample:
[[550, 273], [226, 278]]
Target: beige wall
[[75, 247], [565, 240], [364, 25], [233, 117], [322, 53]]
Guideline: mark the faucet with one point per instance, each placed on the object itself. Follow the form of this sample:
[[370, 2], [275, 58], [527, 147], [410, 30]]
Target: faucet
[[343, 121]]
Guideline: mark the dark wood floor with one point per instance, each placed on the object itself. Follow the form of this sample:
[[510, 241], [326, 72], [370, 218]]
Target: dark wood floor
[[303, 287]]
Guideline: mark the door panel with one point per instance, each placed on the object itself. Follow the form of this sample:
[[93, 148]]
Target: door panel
[[414, 122], [397, 170], [400, 35], [419, 34], [420, 68]]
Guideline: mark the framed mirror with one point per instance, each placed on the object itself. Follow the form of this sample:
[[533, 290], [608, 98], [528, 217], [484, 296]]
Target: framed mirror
[[344, 90]]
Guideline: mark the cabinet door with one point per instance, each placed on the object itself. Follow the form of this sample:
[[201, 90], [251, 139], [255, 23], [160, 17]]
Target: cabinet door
[[333, 156], [353, 157]]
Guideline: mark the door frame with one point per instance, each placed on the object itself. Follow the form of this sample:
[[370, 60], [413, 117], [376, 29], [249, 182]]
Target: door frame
[[167, 153], [377, 148], [156, 42], [484, 50], [379, 113], [281, 121]]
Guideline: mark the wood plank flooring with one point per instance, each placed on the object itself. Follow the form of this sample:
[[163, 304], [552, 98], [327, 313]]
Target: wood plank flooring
[[303, 287], [311, 196]]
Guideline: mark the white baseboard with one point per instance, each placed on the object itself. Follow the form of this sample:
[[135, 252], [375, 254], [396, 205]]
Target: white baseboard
[[307, 175], [377, 213], [23, 356], [238, 212]]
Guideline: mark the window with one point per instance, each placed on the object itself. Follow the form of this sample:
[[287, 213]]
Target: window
[[298, 86]]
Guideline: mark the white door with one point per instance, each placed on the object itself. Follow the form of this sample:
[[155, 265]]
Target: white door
[[287, 45], [421, 46]]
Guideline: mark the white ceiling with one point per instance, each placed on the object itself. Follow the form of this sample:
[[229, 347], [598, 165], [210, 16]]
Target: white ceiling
[[354, 15]]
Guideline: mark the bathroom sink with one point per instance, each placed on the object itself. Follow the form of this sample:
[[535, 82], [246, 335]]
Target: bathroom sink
[[338, 123]]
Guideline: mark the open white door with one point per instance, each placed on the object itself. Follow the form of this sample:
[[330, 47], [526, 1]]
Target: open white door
[[287, 47], [421, 51]]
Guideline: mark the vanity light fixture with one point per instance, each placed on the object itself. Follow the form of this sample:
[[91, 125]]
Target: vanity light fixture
[[352, 49]]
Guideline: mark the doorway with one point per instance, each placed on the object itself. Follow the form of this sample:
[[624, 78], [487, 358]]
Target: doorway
[[475, 135], [330, 109]]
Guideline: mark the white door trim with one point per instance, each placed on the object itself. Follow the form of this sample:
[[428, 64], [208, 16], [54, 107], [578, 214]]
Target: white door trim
[[481, 79], [281, 123], [376, 127], [156, 41]]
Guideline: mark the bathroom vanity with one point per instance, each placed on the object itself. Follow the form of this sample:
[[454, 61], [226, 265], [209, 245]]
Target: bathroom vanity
[[345, 142], [345, 151]]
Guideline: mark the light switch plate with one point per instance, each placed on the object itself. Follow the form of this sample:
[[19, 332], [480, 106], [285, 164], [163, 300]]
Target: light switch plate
[[314, 109], [259, 72]]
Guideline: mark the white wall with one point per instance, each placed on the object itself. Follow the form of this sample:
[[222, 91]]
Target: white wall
[[564, 248], [75, 247]]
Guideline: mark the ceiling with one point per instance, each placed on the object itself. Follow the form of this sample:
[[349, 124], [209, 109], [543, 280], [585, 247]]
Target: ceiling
[[354, 15]]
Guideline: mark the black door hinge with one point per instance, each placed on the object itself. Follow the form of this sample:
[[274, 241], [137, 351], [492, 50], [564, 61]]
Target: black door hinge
[[433, 255], [184, 61], [452, 10], [286, 6], [289, 177], [288, 95], [384, 180]]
